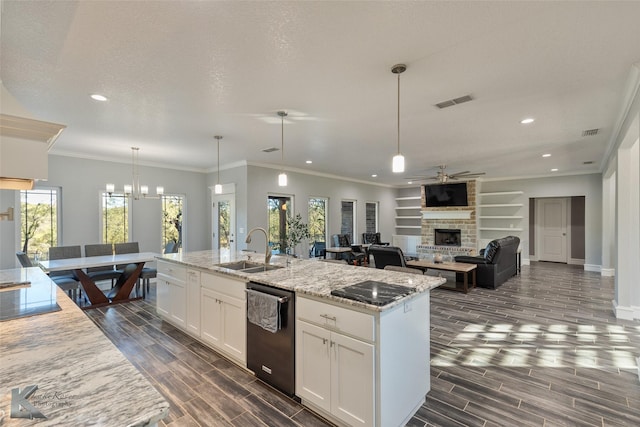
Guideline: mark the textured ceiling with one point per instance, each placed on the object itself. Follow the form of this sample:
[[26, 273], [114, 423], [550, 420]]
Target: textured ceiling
[[178, 73]]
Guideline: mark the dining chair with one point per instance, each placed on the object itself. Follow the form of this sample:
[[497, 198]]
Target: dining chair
[[101, 273], [24, 259], [66, 279], [146, 274]]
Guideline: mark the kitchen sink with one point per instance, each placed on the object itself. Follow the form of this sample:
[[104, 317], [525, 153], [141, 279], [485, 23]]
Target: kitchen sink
[[248, 266]]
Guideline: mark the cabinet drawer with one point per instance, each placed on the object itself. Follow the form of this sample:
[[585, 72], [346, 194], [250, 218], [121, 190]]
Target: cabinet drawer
[[224, 285], [172, 270], [347, 321]]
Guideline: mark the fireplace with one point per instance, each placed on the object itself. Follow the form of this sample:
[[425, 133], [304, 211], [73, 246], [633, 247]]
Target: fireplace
[[447, 237]]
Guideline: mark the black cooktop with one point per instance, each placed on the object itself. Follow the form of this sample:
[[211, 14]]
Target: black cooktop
[[372, 292]]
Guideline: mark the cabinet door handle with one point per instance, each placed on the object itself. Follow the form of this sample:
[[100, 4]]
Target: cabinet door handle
[[326, 316]]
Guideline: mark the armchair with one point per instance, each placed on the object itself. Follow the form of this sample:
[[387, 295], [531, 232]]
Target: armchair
[[373, 238], [344, 241], [497, 263], [387, 255]]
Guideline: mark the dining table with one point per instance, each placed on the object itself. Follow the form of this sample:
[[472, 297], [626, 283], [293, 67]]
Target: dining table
[[96, 296]]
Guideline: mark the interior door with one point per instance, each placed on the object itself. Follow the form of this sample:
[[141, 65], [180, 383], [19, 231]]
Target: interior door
[[552, 229], [224, 223]]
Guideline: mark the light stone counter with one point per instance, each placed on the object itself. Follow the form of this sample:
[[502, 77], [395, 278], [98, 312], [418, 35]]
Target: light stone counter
[[309, 276], [81, 376]]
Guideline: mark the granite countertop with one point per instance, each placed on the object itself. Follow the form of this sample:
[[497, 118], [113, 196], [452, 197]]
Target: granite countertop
[[309, 276], [81, 377]]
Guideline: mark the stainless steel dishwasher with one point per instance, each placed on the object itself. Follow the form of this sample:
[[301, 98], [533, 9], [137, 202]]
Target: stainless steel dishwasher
[[271, 356]]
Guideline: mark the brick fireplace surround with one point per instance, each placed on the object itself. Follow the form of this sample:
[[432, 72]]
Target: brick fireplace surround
[[467, 227]]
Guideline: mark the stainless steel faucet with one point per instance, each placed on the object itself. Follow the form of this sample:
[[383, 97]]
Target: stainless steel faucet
[[267, 251]]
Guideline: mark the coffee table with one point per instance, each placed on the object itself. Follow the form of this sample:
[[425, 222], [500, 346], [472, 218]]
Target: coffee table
[[457, 267]]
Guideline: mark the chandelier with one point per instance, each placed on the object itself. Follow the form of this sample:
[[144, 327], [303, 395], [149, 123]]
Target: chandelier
[[135, 190]]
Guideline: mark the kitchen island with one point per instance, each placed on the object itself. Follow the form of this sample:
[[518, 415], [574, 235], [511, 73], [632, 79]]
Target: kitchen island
[[356, 363], [81, 377]]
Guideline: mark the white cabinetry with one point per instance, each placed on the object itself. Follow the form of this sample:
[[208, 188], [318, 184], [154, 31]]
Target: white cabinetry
[[223, 315], [500, 214], [355, 368], [172, 293], [193, 302]]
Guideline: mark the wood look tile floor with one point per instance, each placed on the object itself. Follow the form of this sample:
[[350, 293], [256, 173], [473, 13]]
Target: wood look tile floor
[[544, 349]]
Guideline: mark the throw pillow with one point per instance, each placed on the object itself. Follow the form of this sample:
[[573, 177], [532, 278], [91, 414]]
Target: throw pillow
[[490, 251]]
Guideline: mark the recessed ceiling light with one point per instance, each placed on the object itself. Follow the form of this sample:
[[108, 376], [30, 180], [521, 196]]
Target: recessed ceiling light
[[527, 121], [374, 175], [546, 155], [410, 182], [308, 162], [98, 97], [554, 170]]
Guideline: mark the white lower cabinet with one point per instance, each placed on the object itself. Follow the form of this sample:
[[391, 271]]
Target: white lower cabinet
[[362, 368], [193, 302], [172, 294], [223, 315], [335, 372]]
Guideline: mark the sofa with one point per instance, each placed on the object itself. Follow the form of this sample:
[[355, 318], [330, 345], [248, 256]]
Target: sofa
[[497, 262]]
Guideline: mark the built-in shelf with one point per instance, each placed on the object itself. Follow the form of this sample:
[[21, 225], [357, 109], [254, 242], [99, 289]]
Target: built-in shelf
[[466, 214], [408, 218], [503, 193], [500, 217], [502, 205], [493, 215], [499, 229]]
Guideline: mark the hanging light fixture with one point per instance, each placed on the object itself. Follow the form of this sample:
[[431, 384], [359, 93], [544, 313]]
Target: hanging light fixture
[[218, 187], [282, 178], [134, 189], [397, 165]]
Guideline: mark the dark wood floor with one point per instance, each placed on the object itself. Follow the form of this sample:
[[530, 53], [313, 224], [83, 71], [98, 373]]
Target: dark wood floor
[[544, 350]]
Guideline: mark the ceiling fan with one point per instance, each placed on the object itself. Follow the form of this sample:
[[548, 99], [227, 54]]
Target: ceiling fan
[[443, 177]]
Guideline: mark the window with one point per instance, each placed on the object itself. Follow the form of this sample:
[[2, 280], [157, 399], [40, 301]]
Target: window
[[172, 209], [318, 219], [371, 217], [114, 218], [38, 221], [348, 219], [279, 207]]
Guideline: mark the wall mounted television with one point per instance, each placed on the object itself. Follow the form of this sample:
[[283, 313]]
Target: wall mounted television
[[443, 195]]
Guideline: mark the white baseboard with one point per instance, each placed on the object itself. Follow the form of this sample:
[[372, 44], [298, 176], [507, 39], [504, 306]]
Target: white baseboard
[[575, 261], [592, 267], [526, 261], [626, 312], [608, 272]]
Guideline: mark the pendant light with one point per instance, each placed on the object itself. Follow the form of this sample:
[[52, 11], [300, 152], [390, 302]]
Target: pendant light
[[282, 178], [397, 165], [218, 187]]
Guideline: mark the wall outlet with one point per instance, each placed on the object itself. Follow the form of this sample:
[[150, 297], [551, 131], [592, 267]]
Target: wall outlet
[[407, 308]]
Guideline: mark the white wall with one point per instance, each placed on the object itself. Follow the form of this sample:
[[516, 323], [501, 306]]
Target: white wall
[[81, 180], [264, 181], [589, 186]]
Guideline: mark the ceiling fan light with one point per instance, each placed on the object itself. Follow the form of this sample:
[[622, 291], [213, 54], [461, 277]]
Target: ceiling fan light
[[217, 189], [397, 165], [282, 179]]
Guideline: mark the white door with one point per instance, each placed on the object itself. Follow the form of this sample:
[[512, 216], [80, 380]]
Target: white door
[[313, 365], [234, 327], [178, 295], [224, 223], [552, 229], [352, 380], [210, 306]]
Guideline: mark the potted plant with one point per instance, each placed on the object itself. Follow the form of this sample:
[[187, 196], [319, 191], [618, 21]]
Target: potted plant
[[297, 231]]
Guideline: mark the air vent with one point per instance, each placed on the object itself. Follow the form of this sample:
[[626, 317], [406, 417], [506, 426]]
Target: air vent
[[590, 132], [455, 101], [270, 150], [588, 162]]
